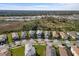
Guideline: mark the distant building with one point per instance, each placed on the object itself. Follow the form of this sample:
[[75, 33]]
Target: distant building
[[62, 51], [75, 50]]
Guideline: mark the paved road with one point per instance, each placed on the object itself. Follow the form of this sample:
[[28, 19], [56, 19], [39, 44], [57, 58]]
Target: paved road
[[48, 51]]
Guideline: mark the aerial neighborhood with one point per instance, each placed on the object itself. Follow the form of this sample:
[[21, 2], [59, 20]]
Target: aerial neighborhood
[[66, 43], [39, 33]]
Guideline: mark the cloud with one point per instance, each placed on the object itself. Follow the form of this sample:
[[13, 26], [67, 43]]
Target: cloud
[[69, 6], [26, 7], [43, 6]]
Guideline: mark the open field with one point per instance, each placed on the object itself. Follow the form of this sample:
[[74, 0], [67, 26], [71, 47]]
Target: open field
[[48, 23], [8, 27]]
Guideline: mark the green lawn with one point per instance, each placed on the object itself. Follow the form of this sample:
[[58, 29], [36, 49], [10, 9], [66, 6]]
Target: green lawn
[[40, 50], [19, 33], [28, 36], [18, 51], [10, 38]]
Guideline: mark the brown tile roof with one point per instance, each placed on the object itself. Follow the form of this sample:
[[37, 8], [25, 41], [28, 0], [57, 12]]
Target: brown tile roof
[[55, 34], [76, 49], [4, 52], [63, 35], [63, 51]]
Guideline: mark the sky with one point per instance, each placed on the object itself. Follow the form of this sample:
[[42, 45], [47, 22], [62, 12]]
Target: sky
[[39, 6]]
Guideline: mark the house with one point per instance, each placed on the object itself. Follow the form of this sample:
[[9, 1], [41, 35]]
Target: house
[[47, 34], [75, 50], [63, 35], [68, 43], [77, 35], [39, 34], [3, 39], [77, 43], [62, 51], [55, 34], [4, 51], [72, 34], [29, 50], [23, 37], [23, 34], [31, 33], [16, 38]]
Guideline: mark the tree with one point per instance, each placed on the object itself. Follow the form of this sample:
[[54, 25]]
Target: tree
[[24, 27]]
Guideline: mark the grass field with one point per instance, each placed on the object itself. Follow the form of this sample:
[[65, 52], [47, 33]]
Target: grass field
[[40, 50], [18, 51]]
